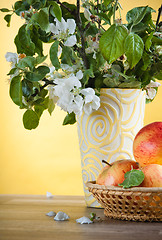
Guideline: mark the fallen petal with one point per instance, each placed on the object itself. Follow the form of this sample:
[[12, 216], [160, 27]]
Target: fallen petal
[[49, 195], [84, 220], [51, 214], [61, 216]]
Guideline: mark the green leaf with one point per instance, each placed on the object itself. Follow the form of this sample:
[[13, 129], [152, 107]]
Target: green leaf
[[111, 82], [107, 2], [20, 6], [51, 106], [146, 58], [136, 15], [43, 36], [148, 41], [38, 74], [16, 90], [42, 19], [42, 71], [112, 42], [88, 73], [98, 62], [35, 38], [148, 17], [7, 18], [92, 216], [37, 4], [67, 56], [43, 93], [24, 43], [140, 27], [140, 16], [132, 84], [157, 40], [27, 88], [56, 11], [12, 71], [28, 61], [68, 14], [69, 119], [159, 75], [132, 178], [53, 55], [39, 59], [98, 81], [133, 49], [30, 119], [105, 17], [5, 10], [39, 110]]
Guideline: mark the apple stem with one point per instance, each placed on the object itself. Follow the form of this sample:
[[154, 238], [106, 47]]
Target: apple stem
[[106, 163], [139, 165]]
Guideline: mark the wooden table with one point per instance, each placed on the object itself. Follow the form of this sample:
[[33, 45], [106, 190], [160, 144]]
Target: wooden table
[[23, 217]]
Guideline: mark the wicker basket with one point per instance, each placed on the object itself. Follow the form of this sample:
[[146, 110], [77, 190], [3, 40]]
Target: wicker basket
[[137, 203]]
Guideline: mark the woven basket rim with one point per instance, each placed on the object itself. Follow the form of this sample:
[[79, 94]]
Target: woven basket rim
[[92, 184]]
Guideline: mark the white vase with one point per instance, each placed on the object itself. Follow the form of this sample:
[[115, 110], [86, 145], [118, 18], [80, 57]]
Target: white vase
[[108, 133]]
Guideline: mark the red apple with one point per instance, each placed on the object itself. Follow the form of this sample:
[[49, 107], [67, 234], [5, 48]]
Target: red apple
[[153, 176], [147, 145], [114, 174]]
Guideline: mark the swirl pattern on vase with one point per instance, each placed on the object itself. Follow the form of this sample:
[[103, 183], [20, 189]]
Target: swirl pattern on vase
[[108, 133]]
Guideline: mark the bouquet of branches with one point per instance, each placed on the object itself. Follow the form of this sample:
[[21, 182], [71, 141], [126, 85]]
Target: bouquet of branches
[[91, 47]]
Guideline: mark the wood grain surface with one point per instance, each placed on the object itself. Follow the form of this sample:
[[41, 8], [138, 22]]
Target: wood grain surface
[[23, 217]]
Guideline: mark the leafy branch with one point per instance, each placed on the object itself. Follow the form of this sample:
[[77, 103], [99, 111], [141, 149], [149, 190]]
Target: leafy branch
[[123, 56], [81, 30]]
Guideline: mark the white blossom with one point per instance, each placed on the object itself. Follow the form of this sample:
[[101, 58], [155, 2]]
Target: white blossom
[[158, 34], [64, 30], [71, 41], [151, 93], [27, 14], [87, 14], [69, 83], [74, 68], [75, 105], [67, 90], [67, 68], [53, 73], [150, 89], [71, 25], [69, 96], [85, 1], [51, 91], [91, 101], [52, 70], [105, 67], [23, 14], [79, 74], [12, 58], [85, 4], [93, 45], [159, 49]]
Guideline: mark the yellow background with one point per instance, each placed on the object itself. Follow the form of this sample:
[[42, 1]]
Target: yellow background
[[48, 158]]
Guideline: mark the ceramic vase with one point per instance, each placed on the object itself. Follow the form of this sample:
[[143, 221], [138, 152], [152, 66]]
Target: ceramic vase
[[108, 133]]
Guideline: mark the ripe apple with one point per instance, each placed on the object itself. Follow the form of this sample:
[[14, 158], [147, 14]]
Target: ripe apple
[[147, 145], [113, 174], [153, 176]]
